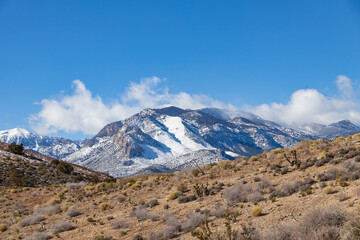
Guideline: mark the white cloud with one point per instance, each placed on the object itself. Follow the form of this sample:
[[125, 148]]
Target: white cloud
[[308, 105], [86, 113], [344, 85]]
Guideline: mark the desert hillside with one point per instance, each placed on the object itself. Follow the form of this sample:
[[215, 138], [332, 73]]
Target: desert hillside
[[309, 191]]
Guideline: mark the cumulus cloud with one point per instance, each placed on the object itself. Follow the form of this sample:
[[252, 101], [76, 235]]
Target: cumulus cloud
[[84, 112], [309, 105]]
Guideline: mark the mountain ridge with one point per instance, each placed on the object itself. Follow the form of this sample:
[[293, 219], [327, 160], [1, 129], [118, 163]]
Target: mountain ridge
[[162, 137], [171, 138]]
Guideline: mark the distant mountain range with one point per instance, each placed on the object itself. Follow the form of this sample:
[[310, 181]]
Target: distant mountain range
[[344, 127], [167, 139], [55, 147]]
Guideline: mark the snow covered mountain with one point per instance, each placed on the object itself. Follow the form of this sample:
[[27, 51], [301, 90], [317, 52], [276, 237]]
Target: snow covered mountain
[[341, 128], [156, 140], [168, 139], [55, 147]]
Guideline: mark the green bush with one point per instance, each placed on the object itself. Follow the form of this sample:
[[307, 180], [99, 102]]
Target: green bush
[[65, 167], [19, 179], [16, 149]]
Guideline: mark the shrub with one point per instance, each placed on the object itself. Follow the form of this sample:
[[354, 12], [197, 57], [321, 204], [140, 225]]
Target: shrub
[[65, 167], [351, 166], [218, 211], [136, 186], [61, 226], [341, 196], [138, 237], [328, 216], [18, 178], [257, 179], [323, 224], [331, 174], [351, 154], [16, 149], [277, 151], [3, 227], [119, 224], [195, 172], [305, 188], [152, 203], [141, 213], [173, 195], [104, 206], [182, 187], [31, 220], [48, 210], [226, 164], [39, 236], [256, 211], [255, 158], [288, 189], [155, 235], [343, 184], [193, 220], [322, 155], [328, 232], [237, 193], [103, 237], [121, 198], [64, 208], [54, 201], [173, 225], [255, 196], [264, 183], [55, 162], [185, 199], [282, 232], [320, 162], [329, 190], [73, 212]]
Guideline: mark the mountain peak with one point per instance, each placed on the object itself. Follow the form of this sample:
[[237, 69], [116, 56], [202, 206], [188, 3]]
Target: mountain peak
[[16, 132], [345, 121], [51, 146], [171, 111]]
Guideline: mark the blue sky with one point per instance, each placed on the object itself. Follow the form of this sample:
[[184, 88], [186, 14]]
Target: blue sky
[[243, 53]]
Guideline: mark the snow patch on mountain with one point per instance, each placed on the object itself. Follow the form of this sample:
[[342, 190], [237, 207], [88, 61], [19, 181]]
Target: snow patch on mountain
[[176, 126]]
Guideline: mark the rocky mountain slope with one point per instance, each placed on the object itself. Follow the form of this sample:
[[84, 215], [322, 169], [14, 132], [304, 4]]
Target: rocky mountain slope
[[30, 169], [171, 138], [55, 147], [309, 191]]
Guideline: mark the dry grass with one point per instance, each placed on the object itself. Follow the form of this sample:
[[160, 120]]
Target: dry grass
[[227, 193]]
